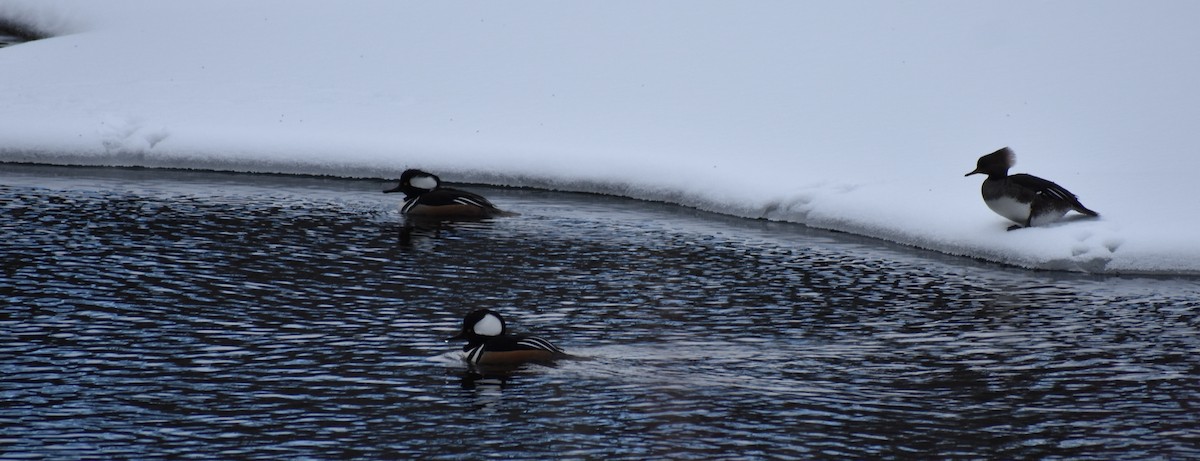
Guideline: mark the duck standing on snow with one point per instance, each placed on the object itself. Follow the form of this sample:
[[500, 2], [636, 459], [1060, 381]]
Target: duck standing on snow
[[488, 342], [424, 196], [1025, 199]]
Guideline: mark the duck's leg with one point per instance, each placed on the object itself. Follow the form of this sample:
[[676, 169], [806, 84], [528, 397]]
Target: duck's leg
[[1028, 221]]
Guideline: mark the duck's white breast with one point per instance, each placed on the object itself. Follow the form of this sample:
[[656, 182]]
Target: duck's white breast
[[1010, 208]]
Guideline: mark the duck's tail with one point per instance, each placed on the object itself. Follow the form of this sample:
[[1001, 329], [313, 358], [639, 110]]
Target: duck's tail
[[1082, 209]]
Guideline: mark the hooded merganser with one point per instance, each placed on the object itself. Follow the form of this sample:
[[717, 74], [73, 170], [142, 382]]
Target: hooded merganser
[[488, 343], [1025, 199], [424, 196]]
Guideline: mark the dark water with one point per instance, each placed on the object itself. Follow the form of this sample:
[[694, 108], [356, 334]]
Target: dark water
[[151, 314]]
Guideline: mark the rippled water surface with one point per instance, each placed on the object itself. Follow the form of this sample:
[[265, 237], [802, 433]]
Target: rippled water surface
[[168, 314]]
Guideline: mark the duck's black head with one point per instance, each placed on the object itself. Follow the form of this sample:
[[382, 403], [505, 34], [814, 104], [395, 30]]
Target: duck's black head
[[995, 164], [480, 325], [416, 182]]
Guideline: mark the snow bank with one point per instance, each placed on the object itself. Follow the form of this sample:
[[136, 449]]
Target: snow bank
[[856, 116]]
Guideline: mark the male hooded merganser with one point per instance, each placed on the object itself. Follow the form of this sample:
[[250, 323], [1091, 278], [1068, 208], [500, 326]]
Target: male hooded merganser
[[424, 196], [1025, 199], [488, 343]]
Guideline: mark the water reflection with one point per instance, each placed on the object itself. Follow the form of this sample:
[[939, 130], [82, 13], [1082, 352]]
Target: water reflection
[[413, 230], [152, 314]]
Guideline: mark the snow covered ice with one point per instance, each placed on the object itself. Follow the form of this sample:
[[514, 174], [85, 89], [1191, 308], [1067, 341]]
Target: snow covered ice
[[855, 116]]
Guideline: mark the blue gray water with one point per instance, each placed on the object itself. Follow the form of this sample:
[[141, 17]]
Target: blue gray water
[[164, 314]]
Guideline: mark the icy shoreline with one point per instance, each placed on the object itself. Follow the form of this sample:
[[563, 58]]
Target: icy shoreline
[[1091, 248]]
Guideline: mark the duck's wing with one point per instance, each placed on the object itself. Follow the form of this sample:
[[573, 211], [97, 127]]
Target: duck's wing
[[447, 196], [1050, 190], [522, 343]]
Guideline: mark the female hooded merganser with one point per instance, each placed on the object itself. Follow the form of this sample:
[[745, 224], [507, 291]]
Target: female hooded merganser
[[1025, 199], [424, 196], [488, 343]]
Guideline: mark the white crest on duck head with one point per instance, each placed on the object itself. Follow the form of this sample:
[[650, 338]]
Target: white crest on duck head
[[489, 325], [424, 181]]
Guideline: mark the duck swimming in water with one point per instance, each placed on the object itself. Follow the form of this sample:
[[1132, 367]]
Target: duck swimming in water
[[424, 196], [488, 342]]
